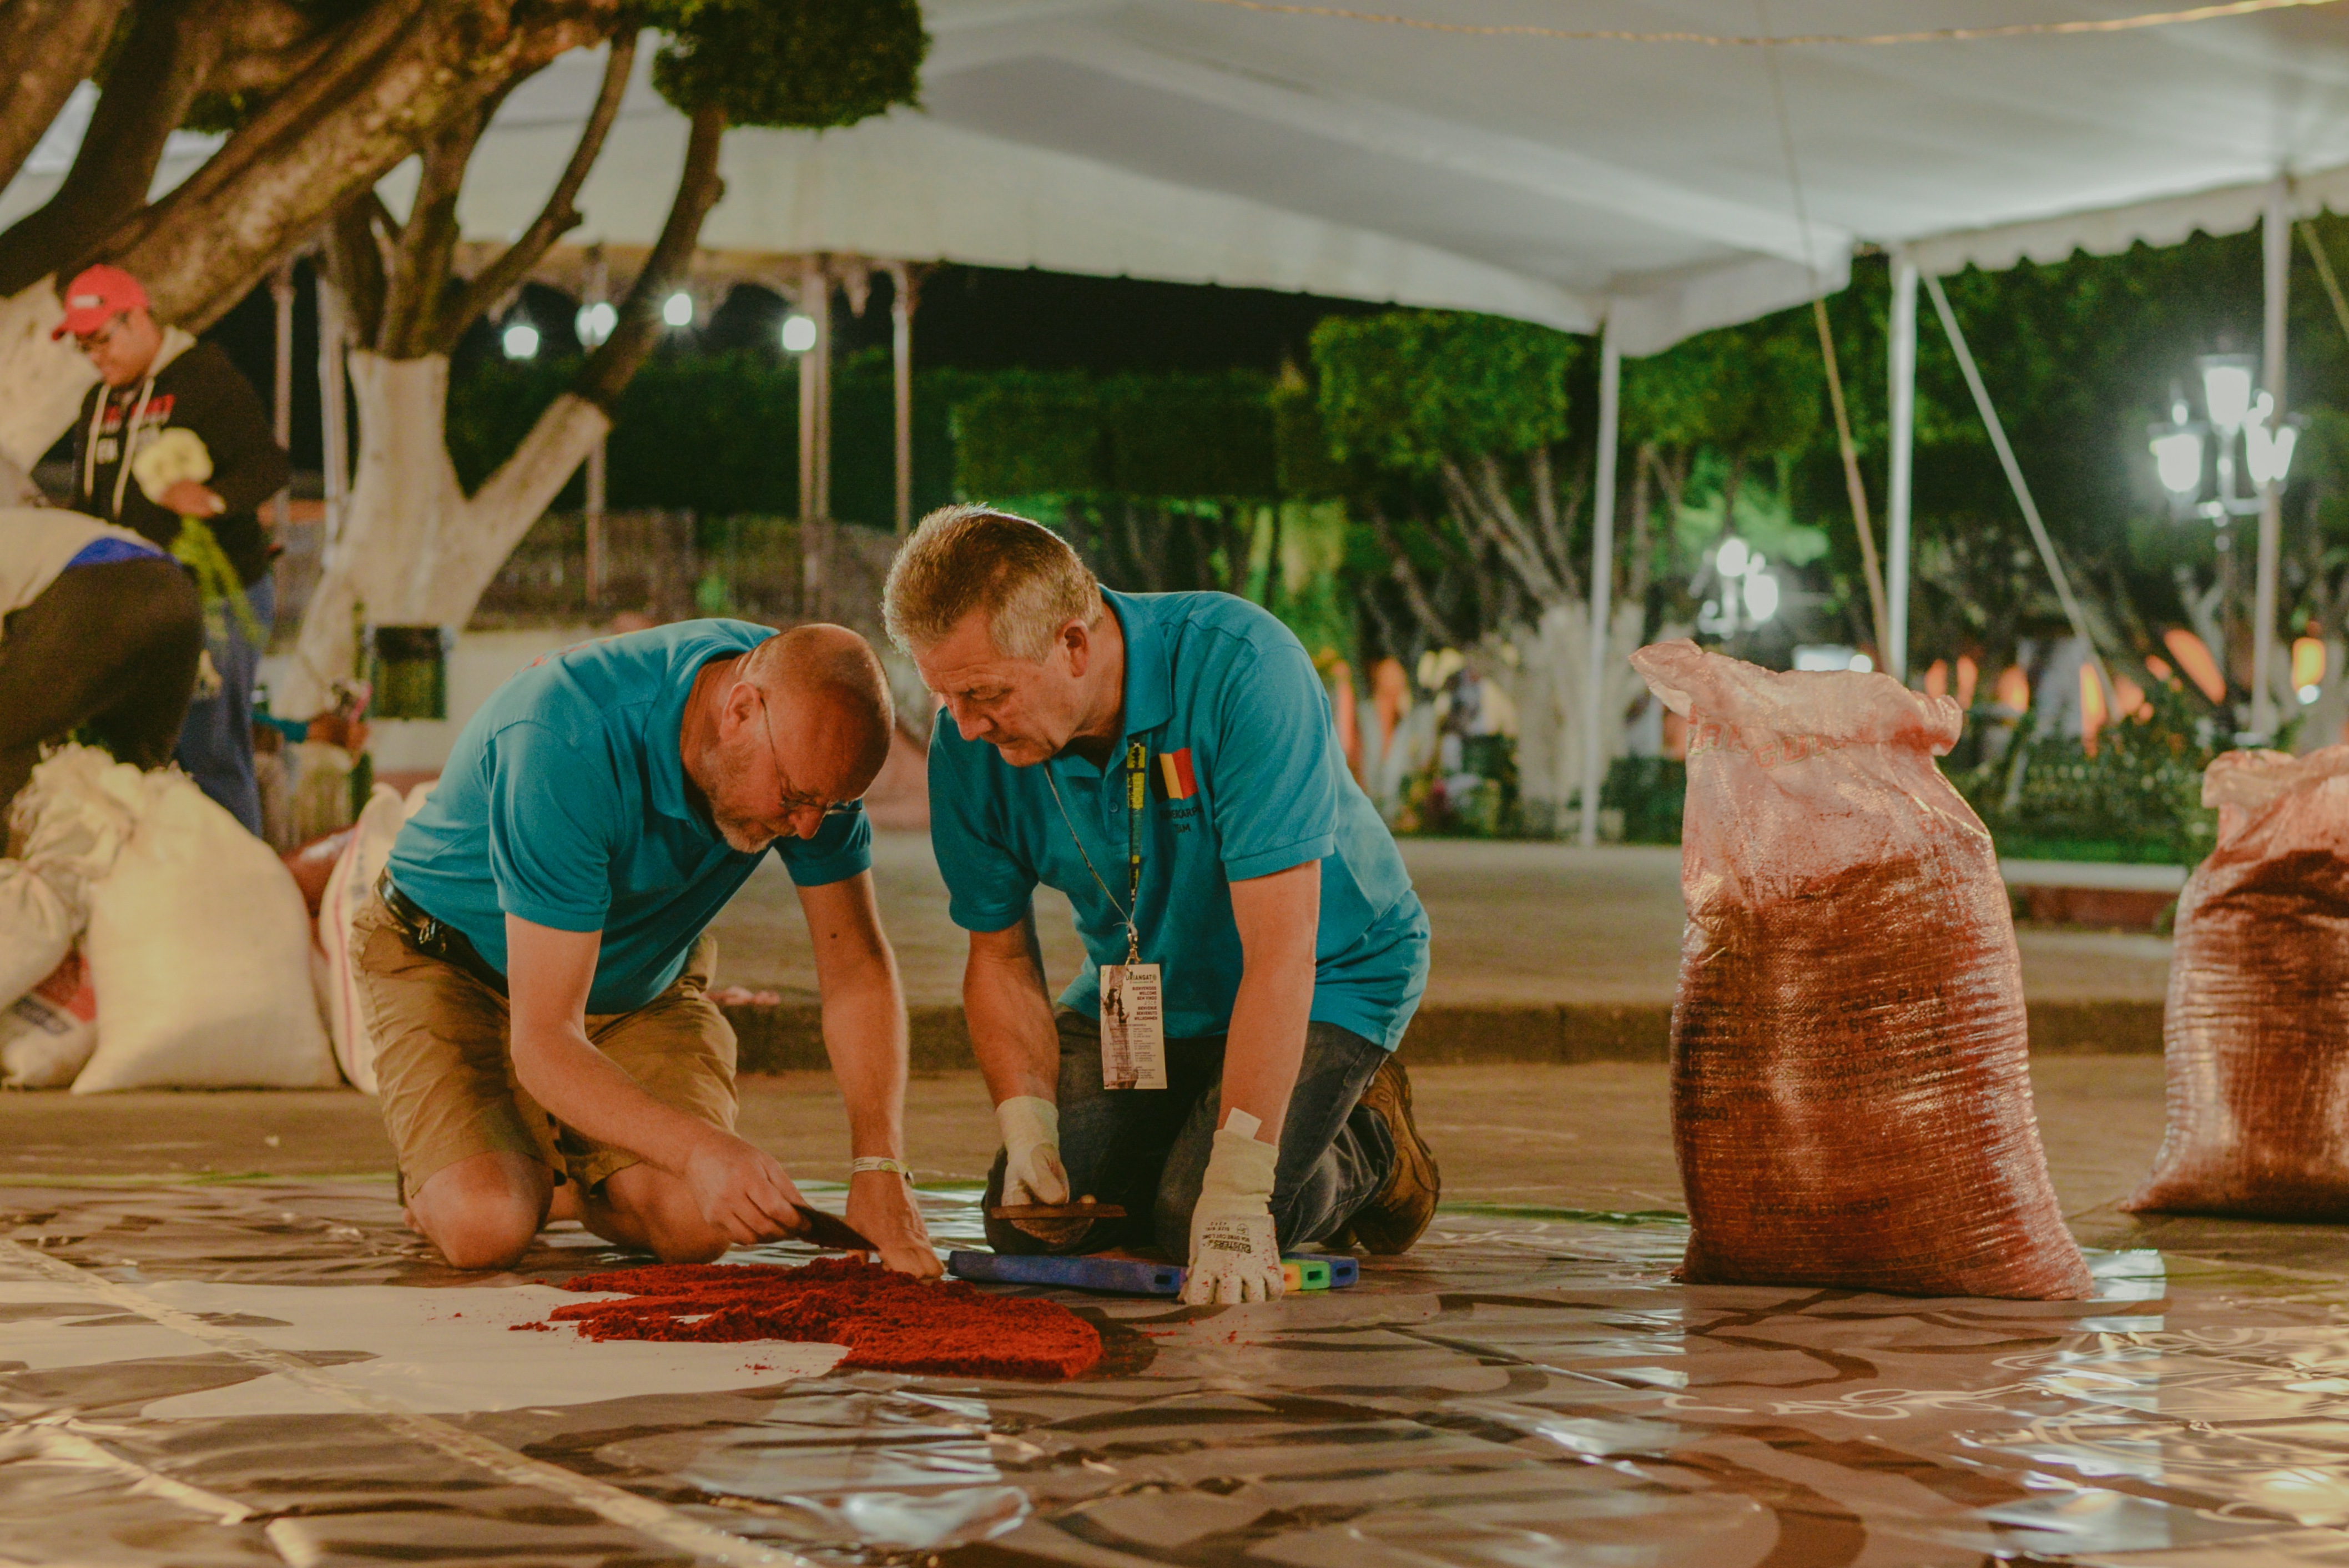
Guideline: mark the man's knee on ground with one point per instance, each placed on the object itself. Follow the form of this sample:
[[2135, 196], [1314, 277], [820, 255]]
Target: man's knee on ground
[[643, 1207], [483, 1212]]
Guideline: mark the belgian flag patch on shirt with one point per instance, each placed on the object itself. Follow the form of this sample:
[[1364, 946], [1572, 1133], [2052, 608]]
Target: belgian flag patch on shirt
[[1174, 772]]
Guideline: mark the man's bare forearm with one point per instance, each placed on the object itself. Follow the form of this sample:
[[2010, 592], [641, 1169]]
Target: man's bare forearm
[[1011, 1015], [590, 1093], [863, 1011], [865, 1034], [1279, 918]]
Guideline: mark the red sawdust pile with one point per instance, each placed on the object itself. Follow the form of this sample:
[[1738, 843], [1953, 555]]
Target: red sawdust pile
[[890, 1322]]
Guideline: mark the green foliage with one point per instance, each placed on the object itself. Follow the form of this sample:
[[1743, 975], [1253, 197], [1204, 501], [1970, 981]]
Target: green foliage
[[1300, 445], [717, 434], [1746, 391], [1409, 389], [1028, 433], [2140, 798], [1190, 435], [813, 64], [1650, 792]]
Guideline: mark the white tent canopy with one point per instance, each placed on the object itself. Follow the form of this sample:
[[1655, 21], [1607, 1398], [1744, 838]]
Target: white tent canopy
[[1646, 186]]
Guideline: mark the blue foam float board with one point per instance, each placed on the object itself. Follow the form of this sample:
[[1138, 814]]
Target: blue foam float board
[[1124, 1276], [1127, 1276]]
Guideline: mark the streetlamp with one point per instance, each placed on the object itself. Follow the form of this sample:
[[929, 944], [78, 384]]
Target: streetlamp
[[2235, 414], [520, 338], [1749, 594], [594, 323], [2238, 418]]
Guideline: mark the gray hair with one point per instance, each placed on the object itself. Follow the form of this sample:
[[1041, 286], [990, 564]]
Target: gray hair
[[965, 557]]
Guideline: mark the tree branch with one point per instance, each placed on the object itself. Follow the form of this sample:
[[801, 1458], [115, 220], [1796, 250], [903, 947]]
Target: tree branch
[[1528, 566], [160, 67], [48, 47], [605, 375], [418, 275], [558, 217], [354, 264], [1544, 482], [396, 71], [1415, 590], [269, 44]]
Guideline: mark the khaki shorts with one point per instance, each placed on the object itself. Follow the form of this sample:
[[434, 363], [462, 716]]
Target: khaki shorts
[[444, 1066]]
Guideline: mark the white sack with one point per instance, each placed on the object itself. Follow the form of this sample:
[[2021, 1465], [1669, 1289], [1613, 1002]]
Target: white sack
[[199, 946], [66, 827], [46, 1036], [349, 888]]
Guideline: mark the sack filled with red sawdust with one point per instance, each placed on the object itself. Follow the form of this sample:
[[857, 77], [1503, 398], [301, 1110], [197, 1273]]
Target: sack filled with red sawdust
[[1851, 1089], [2257, 1029]]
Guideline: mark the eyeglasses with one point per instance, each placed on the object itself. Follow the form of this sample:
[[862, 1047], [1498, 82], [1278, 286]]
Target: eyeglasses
[[830, 809], [101, 338]]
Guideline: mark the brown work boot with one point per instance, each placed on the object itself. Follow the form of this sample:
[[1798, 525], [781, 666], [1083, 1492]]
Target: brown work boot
[[1392, 1222]]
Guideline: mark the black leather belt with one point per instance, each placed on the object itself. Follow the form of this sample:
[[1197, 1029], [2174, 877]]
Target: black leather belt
[[436, 938]]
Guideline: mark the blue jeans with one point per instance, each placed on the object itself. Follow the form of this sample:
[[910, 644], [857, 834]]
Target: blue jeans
[[1146, 1149], [216, 741]]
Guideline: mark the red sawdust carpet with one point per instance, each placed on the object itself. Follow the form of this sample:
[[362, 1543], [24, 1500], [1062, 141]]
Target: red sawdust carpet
[[890, 1322]]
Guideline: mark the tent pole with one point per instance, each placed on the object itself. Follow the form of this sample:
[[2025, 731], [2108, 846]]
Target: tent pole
[[2277, 235], [812, 287], [281, 296], [599, 288], [333, 421], [1989, 419], [1602, 581], [901, 343], [1904, 430]]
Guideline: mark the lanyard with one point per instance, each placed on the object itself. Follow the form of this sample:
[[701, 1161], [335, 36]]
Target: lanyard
[[1137, 787]]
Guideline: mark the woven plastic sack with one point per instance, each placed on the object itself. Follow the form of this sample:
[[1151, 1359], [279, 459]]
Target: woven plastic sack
[[47, 1036], [65, 829], [2257, 1028], [198, 948], [365, 853], [1851, 1091]]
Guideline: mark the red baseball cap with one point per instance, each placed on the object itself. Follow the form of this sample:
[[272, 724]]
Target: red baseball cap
[[99, 294]]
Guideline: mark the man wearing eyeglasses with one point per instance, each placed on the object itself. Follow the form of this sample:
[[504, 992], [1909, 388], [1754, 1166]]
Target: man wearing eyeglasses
[[154, 379], [535, 965]]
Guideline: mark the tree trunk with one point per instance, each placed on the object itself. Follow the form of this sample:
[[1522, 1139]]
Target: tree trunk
[[393, 75], [1547, 684], [415, 549], [171, 49], [48, 47]]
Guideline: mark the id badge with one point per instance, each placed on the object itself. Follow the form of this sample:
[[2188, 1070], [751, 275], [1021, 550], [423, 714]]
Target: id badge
[[1134, 1030]]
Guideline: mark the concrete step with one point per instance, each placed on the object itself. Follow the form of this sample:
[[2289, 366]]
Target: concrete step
[[786, 1037]]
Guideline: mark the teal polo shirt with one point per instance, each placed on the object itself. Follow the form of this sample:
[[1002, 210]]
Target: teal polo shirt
[[565, 802], [1246, 778]]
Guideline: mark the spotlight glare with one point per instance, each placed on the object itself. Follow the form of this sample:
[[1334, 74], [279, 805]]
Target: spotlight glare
[[520, 341], [677, 309], [799, 334]]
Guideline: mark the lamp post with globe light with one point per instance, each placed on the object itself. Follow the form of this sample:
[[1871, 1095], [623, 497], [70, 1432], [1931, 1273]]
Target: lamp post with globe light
[[2203, 464], [1749, 594]]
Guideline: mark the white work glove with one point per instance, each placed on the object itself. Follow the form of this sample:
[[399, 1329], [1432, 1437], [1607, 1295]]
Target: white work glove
[[1032, 1172], [1235, 1255]]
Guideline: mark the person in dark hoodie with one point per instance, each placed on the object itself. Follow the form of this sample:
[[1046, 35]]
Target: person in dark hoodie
[[217, 472]]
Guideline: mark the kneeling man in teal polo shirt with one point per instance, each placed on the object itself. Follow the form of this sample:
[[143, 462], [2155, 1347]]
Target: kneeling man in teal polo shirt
[[1224, 1068], [536, 967]]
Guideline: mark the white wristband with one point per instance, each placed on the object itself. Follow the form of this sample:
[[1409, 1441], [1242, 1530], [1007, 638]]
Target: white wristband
[[865, 1162]]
